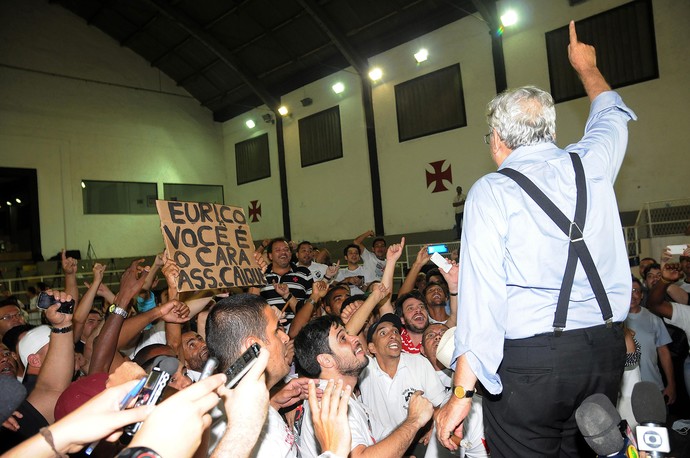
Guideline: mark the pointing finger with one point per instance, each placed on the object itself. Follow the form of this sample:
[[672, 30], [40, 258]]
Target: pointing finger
[[573, 33]]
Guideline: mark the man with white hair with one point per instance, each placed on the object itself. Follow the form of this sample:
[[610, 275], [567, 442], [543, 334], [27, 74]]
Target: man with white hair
[[542, 333]]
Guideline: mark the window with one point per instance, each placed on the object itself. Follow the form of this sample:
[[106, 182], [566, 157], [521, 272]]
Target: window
[[430, 104], [119, 197], [626, 49], [320, 139], [193, 192], [251, 159]]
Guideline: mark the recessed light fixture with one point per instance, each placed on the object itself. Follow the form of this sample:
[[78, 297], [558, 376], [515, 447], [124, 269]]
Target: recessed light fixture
[[9, 204], [338, 87], [83, 185], [509, 18], [421, 55], [282, 110], [250, 123], [18, 200], [375, 74]]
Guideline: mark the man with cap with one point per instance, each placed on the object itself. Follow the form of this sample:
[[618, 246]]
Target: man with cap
[[325, 350], [49, 351], [392, 376]]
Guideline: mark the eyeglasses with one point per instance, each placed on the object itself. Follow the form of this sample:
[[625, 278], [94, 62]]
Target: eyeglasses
[[10, 317], [487, 138]]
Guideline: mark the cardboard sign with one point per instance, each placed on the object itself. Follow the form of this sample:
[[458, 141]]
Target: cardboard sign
[[211, 245]]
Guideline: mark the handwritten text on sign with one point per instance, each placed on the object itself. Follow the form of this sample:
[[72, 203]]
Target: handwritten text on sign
[[211, 245]]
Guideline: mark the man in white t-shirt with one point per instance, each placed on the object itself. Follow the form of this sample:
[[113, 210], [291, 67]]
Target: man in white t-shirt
[[305, 258], [374, 262], [393, 376], [354, 274], [325, 350]]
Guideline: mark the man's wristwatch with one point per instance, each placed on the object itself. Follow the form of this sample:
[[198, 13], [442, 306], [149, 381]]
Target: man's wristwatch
[[461, 393], [118, 311]]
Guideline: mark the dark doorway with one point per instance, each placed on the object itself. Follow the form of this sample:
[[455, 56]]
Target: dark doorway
[[20, 235]]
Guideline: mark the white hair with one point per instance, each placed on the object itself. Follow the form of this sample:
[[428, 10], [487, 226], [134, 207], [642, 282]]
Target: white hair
[[523, 116]]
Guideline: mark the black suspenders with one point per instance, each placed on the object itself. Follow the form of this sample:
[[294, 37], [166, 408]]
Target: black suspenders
[[578, 248]]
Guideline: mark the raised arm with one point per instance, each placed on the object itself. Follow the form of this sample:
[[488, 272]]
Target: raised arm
[[151, 276], [356, 322], [106, 346], [422, 259], [171, 312], [81, 312], [318, 291], [69, 268], [583, 58], [359, 241], [452, 280], [56, 371]]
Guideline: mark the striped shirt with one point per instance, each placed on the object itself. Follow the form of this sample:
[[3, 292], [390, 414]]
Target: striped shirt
[[298, 280]]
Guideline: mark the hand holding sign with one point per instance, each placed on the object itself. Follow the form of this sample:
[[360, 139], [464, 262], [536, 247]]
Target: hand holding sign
[[210, 244]]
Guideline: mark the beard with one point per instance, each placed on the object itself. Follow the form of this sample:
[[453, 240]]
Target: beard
[[351, 368]]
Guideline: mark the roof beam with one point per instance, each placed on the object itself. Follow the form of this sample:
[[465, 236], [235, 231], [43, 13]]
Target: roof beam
[[216, 47], [336, 36]]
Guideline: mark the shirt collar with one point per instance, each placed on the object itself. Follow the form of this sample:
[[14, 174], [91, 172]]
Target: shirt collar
[[523, 153]]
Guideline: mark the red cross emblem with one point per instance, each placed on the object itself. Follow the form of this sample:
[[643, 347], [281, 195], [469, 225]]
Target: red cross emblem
[[255, 211], [438, 176]]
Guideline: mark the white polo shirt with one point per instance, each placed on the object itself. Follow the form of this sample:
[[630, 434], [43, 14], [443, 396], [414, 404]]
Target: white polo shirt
[[388, 398], [365, 428]]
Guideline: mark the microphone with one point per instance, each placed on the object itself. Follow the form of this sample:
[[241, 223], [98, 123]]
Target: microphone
[[12, 394], [649, 409], [598, 422]]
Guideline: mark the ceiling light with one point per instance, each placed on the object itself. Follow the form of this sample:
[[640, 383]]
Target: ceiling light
[[421, 55], [18, 200], [9, 204], [338, 87], [375, 74], [282, 110], [250, 123], [509, 18], [83, 185]]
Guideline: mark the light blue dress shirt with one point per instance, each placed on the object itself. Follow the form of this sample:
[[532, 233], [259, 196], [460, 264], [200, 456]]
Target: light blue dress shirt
[[513, 255]]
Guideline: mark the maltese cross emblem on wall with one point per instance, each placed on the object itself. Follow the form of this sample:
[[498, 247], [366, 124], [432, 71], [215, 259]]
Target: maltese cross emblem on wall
[[438, 176], [254, 211]]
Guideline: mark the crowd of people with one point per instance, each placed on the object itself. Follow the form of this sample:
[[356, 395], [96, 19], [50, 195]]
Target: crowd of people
[[338, 365]]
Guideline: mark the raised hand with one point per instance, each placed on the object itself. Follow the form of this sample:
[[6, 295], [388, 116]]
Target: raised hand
[[395, 251], [329, 417], [332, 270], [69, 265]]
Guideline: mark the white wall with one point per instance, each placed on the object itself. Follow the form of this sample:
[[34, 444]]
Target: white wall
[[333, 200], [72, 129]]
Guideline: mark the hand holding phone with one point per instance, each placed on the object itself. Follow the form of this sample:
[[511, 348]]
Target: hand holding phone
[[441, 262], [676, 249], [242, 365], [45, 300]]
